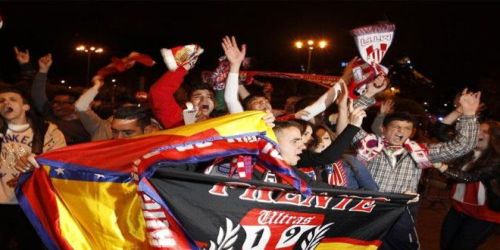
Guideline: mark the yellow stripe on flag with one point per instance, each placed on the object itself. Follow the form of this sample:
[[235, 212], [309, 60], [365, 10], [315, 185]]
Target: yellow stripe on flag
[[247, 122], [346, 246], [100, 215]]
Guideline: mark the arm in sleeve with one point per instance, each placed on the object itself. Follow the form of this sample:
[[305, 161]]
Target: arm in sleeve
[[27, 72], [466, 139], [91, 121], [39, 95], [231, 94], [163, 103], [332, 153], [322, 102], [83, 102], [377, 124], [364, 101], [363, 176]]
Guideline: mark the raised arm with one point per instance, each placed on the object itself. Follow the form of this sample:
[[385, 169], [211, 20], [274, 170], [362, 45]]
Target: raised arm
[[467, 131], [328, 97], [23, 58], [456, 113], [462, 176], [39, 87], [386, 107], [235, 56], [338, 146], [90, 120]]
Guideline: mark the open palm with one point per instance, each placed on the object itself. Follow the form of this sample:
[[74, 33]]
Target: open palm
[[234, 54]]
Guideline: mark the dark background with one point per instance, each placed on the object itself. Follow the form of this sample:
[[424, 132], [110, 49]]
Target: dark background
[[455, 44]]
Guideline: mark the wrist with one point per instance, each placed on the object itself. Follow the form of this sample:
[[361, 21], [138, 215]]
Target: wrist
[[355, 124], [469, 113], [369, 95], [45, 71], [234, 68]]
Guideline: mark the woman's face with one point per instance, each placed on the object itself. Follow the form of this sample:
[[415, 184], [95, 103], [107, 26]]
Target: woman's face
[[324, 140], [307, 135], [483, 137]]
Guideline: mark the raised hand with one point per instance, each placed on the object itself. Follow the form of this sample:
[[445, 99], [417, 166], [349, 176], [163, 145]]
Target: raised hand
[[378, 85], [387, 107], [44, 63], [98, 81], [22, 57], [269, 119], [470, 102], [302, 114], [343, 96], [356, 116], [347, 73], [234, 55]]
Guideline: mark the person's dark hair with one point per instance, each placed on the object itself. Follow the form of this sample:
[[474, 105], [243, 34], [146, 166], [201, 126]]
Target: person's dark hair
[[73, 96], [280, 125], [125, 100], [316, 140], [304, 125], [37, 124], [399, 116], [245, 102], [200, 86], [143, 116], [491, 155]]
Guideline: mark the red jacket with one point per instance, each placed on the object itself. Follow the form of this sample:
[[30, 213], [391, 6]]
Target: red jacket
[[165, 107]]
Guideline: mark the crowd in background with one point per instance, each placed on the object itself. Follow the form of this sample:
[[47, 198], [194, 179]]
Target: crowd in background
[[323, 138]]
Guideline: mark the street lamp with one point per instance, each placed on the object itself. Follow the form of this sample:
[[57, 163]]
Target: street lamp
[[89, 51], [311, 45]]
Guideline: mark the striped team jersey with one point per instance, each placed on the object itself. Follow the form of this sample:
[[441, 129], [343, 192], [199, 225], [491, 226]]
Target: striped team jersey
[[470, 199]]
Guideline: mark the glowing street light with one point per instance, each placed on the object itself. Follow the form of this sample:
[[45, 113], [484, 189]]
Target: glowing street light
[[311, 45], [322, 44], [89, 51]]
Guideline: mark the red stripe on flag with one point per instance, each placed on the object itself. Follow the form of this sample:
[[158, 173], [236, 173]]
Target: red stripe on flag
[[38, 190]]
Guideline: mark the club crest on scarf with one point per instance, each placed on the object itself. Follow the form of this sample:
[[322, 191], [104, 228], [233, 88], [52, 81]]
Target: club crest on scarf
[[372, 41]]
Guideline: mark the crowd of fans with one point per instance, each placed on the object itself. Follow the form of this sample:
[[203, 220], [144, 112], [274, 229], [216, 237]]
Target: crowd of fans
[[324, 148]]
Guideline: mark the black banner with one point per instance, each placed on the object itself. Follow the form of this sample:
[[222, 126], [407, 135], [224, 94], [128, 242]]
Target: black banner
[[221, 213]]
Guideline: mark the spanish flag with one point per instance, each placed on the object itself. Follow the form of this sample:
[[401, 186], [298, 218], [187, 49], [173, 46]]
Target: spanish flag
[[93, 195]]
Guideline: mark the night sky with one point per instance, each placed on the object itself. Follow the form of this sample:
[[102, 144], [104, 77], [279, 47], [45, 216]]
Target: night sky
[[454, 44]]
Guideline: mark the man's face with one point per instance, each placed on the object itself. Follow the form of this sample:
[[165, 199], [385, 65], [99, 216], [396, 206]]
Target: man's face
[[291, 144], [12, 107], [62, 106], [123, 128], [203, 99], [483, 137], [397, 132], [259, 103]]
